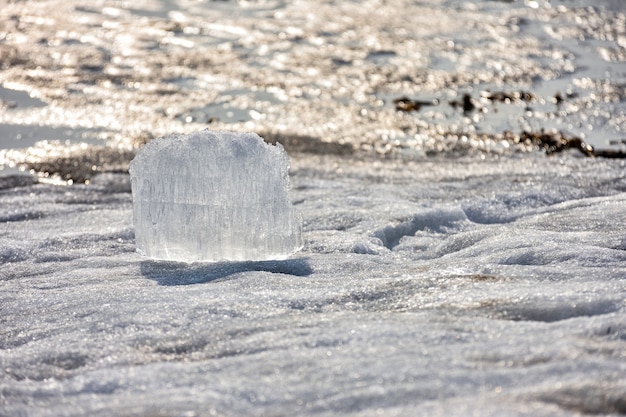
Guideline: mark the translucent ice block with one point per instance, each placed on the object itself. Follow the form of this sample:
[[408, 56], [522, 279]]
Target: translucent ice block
[[213, 196]]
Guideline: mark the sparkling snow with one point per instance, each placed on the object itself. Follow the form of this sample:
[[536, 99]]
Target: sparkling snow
[[449, 268], [444, 287]]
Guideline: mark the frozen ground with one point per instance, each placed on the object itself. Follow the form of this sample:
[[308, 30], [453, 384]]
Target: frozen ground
[[445, 287], [449, 267]]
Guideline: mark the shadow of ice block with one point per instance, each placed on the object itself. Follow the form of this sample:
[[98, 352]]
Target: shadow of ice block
[[213, 196]]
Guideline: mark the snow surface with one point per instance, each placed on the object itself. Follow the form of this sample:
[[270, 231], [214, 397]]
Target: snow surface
[[447, 287], [213, 196], [429, 283]]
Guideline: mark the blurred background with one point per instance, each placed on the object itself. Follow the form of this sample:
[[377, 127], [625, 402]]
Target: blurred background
[[83, 84]]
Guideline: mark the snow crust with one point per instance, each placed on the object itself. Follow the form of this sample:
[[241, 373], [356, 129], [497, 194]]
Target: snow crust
[[446, 287], [429, 284], [213, 196]]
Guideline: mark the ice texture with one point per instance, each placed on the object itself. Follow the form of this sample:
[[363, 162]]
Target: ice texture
[[211, 196]]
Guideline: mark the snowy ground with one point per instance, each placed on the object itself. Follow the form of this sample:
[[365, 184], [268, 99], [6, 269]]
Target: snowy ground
[[445, 287], [450, 268]]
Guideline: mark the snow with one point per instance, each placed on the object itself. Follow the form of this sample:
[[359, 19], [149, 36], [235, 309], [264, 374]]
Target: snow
[[444, 287], [448, 267], [213, 196]]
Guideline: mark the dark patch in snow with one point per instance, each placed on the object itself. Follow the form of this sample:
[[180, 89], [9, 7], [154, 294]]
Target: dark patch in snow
[[436, 221], [22, 216], [9, 254], [16, 180], [295, 143], [589, 398], [547, 311], [67, 361], [175, 273]]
